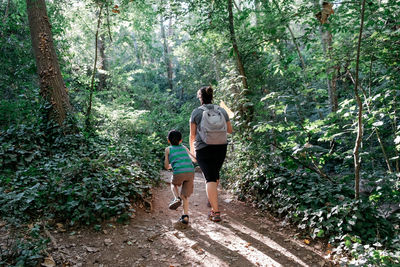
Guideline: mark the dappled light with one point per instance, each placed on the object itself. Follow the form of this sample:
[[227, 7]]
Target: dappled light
[[289, 110]]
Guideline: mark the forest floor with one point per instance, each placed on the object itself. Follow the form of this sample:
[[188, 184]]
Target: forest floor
[[245, 237]]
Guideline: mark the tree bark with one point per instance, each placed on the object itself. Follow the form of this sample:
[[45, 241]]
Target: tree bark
[[167, 58], [52, 86], [357, 146]]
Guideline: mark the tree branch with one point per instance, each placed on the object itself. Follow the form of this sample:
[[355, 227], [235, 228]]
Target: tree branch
[[315, 169]]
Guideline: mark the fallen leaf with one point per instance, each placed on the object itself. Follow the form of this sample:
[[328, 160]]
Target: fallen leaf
[[91, 249], [247, 245], [306, 241], [48, 262]]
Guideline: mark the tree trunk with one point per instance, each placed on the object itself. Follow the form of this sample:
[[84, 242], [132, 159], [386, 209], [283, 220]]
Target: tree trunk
[[246, 109], [89, 109], [331, 71], [217, 67], [235, 47], [6, 12], [257, 9], [135, 45], [357, 146], [167, 58], [102, 64], [378, 136], [52, 87]]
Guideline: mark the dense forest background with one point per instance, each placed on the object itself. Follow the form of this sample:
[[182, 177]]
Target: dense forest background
[[90, 89]]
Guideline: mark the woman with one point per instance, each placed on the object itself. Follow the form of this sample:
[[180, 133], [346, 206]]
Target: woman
[[210, 157]]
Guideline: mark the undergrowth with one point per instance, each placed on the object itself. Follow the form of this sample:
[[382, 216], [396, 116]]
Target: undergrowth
[[66, 175], [362, 231]]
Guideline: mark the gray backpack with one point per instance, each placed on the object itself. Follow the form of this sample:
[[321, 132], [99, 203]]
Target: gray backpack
[[213, 127]]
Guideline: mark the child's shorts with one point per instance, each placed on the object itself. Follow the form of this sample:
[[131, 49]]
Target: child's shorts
[[185, 179]]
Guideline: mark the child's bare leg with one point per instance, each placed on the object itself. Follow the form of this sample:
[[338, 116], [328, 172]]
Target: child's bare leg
[[174, 189], [185, 205]]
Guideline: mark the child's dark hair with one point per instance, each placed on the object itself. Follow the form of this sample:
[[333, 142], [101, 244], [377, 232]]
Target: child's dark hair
[[174, 136]]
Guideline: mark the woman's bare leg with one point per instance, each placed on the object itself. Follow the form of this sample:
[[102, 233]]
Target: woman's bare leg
[[212, 194]]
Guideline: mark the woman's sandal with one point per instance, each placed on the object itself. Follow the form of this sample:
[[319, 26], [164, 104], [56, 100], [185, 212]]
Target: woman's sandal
[[214, 216]]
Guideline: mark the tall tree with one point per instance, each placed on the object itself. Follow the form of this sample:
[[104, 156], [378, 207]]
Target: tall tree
[[246, 109], [326, 39], [167, 57], [89, 108], [52, 86], [357, 145], [103, 64]]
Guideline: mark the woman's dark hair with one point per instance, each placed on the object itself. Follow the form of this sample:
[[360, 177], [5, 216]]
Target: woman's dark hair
[[174, 136], [206, 94]]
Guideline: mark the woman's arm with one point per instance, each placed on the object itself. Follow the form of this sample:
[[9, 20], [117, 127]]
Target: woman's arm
[[166, 160], [229, 127], [192, 137], [193, 157]]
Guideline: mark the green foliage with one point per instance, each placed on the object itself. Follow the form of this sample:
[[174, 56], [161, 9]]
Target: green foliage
[[70, 178], [320, 208], [24, 250]]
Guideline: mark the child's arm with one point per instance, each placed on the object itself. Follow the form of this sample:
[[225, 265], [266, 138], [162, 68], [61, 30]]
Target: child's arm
[[166, 160], [193, 157]]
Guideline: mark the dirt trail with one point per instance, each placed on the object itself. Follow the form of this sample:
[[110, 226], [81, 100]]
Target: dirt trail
[[245, 237]]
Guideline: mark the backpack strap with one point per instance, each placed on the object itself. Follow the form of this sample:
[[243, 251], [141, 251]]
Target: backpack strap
[[206, 108]]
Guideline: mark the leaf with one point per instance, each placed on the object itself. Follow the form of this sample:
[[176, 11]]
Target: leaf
[[49, 262], [321, 233], [306, 241], [397, 140], [377, 124]]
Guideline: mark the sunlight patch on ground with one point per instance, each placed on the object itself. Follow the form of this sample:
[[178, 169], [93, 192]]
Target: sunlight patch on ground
[[229, 239], [267, 241], [193, 252]]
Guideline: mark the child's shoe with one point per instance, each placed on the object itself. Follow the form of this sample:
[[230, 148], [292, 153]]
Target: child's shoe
[[184, 219], [182, 223], [175, 203]]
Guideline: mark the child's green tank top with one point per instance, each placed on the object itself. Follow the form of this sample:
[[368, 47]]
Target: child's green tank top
[[180, 160]]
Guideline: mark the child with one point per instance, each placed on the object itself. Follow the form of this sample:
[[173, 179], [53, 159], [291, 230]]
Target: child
[[180, 159]]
